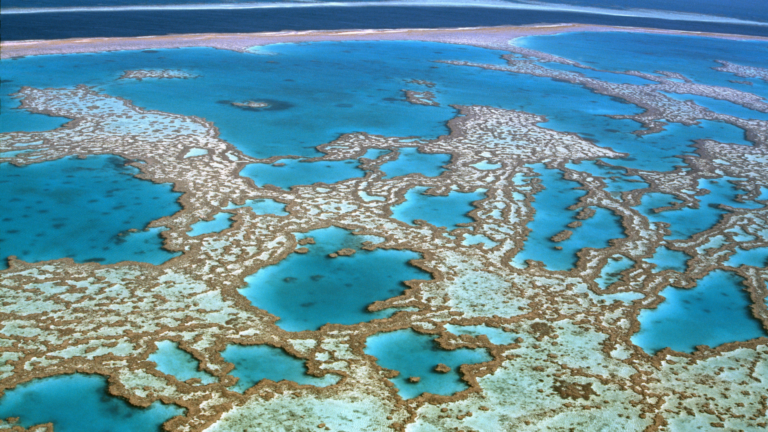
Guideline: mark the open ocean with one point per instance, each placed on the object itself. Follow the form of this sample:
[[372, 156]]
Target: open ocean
[[126, 23]]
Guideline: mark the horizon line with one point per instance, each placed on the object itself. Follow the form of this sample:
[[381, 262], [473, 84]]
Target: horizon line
[[631, 13]]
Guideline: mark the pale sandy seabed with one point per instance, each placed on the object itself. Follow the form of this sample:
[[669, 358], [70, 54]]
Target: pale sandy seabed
[[573, 366]]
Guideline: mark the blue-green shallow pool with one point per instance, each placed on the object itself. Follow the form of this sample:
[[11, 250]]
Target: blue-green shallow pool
[[254, 363], [442, 211], [416, 355], [412, 161], [552, 216], [314, 98], [669, 259], [292, 172], [80, 402], [262, 207], [688, 221], [307, 291], [220, 222], [82, 209], [693, 56], [172, 360], [757, 257], [714, 312]]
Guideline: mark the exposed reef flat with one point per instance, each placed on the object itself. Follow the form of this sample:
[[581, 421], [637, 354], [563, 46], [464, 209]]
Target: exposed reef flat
[[157, 74], [485, 37], [557, 345]]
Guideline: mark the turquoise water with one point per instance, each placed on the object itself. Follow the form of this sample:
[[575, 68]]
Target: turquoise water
[[196, 152], [763, 194], [296, 172], [721, 106], [714, 312], [552, 216], [13, 119], [82, 209], [660, 151], [602, 76], [495, 335], [416, 355], [611, 273], [412, 161], [172, 360], [80, 402], [487, 166], [309, 290], [615, 178], [220, 222], [262, 207], [668, 259], [757, 257], [314, 97], [688, 221], [442, 211], [692, 56], [254, 363]]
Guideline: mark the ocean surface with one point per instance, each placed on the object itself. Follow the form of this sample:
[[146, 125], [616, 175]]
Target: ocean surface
[[62, 25]]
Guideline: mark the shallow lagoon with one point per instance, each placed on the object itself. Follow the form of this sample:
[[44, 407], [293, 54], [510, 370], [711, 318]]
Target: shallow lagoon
[[309, 290], [714, 312], [688, 221], [220, 222], [416, 355], [691, 55], [669, 259], [412, 161], [287, 173], [72, 401], [552, 216], [315, 98], [82, 209], [172, 360], [442, 211], [254, 363]]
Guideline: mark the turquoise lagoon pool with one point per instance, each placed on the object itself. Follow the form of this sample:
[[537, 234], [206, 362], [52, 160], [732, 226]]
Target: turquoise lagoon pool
[[441, 211], [82, 209], [416, 355], [172, 360], [553, 216], [714, 312], [80, 402], [254, 363], [307, 291]]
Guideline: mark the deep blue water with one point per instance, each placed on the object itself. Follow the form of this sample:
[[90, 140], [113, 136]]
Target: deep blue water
[[80, 402], [160, 22], [82, 209], [753, 10], [309, 290]]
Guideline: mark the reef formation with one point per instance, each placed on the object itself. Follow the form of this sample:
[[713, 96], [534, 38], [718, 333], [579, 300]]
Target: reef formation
[[569, 362]]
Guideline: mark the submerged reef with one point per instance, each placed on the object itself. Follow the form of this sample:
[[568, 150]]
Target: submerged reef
[[537, 308]]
